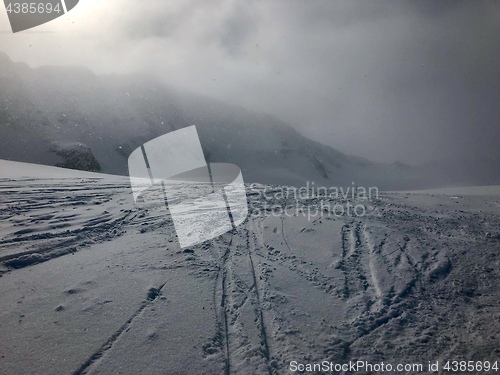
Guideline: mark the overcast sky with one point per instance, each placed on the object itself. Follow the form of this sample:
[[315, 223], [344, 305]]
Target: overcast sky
[[406, 81]]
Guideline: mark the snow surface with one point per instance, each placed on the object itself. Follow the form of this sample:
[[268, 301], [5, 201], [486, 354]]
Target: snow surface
[[92, 283]]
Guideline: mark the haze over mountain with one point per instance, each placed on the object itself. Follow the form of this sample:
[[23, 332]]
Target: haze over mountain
[[70, 117], [105, 274]]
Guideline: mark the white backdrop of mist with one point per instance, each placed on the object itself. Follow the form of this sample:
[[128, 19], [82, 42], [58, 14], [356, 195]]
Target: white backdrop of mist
[[386, 80]]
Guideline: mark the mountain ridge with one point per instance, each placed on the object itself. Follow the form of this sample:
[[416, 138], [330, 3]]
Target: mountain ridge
[[44, 108]]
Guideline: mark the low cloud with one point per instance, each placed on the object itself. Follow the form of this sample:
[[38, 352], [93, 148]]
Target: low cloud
[[387, 80]]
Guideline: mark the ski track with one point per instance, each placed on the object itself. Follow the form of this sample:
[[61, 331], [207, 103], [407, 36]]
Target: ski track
[[86, 366], [371, 256], [258, 288], [355, 277], [228, 289]]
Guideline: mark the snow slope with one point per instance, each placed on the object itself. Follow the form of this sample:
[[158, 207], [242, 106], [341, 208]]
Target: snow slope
[[16, 170], [92, 284]]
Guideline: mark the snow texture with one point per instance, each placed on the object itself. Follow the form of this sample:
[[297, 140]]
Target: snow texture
[[90, 283]]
